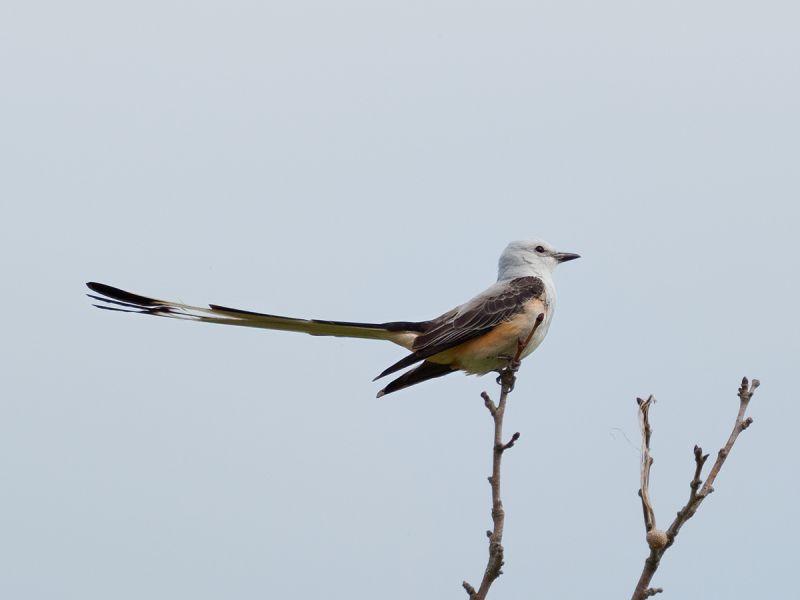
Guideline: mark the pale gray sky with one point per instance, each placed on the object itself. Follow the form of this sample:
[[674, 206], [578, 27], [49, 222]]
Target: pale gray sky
[[369, 161]]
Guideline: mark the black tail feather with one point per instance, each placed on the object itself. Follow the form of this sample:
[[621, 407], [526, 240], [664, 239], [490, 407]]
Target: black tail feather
[[401, 364], [127, 310], [127, 298], [427, 370]]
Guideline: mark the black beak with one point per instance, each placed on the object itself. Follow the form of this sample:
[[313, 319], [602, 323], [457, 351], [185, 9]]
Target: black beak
[[565, 256]]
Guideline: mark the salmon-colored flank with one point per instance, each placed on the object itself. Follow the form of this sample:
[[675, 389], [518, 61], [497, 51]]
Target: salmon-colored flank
[[500, 341]]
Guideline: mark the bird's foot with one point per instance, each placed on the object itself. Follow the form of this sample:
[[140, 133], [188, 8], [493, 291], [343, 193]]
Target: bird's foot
[[507, 377]]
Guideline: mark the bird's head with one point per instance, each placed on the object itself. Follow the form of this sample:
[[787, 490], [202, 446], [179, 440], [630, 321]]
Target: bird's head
[[530, 257]]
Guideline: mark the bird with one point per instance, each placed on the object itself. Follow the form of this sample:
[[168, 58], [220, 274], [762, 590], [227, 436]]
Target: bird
[[479, 336]]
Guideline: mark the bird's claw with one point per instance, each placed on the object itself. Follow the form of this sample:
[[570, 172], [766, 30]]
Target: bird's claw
[[507, 375]]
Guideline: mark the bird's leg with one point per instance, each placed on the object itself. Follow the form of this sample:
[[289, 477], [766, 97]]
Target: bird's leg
[[507, 360], [512, 362], [507, 375]]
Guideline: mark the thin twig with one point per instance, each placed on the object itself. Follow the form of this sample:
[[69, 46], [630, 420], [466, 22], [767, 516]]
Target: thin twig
[[647, 462], [659, 541], [506, 381]]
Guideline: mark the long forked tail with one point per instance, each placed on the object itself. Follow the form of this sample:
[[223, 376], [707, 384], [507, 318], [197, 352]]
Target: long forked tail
[[119, 300]]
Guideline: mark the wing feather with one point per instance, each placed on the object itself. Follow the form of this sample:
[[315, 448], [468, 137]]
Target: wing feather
[[475, 318]]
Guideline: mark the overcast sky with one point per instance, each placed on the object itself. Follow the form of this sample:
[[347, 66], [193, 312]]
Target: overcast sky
[[369, 161]]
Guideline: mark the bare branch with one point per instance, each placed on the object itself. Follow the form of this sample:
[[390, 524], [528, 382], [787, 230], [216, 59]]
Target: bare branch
[[506, 380], [659, 541], [745, 393], [647, 462]]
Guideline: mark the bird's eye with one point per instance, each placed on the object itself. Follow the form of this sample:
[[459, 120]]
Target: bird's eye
[[540, 249]]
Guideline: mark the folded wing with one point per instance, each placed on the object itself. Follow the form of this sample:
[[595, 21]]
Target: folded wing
[[479, 316]]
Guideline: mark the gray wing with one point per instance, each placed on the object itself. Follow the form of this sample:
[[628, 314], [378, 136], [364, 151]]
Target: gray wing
[[471, 320]]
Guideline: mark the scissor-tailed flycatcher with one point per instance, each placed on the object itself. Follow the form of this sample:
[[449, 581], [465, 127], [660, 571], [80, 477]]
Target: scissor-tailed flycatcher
[[479, 336]]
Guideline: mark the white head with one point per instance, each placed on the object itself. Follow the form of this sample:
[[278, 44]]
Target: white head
[[526, 258]]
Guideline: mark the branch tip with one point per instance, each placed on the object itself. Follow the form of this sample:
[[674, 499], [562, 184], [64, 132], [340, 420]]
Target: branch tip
[[747, 389], [511, 442], [489, 404]]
